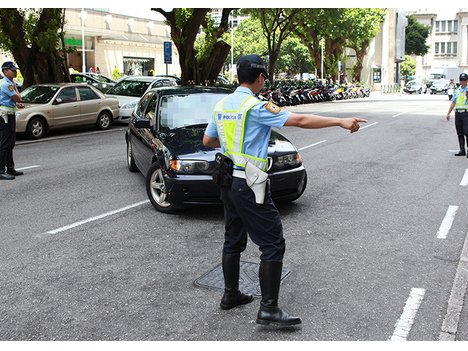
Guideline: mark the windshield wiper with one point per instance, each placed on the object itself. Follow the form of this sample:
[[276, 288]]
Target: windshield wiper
[[199, 125]]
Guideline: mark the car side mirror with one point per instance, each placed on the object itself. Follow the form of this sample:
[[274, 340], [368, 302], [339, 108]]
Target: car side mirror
[[142, 123], [58, 101]]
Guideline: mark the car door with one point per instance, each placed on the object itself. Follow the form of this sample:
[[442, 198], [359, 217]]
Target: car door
[[143, 139], [90, 104], [66, 109]]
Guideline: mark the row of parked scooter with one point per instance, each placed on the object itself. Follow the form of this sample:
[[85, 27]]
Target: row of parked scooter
[[291, 93]]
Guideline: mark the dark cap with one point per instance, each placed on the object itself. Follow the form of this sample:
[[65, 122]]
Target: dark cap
[[9, 65], [463, 76], [251, 62]]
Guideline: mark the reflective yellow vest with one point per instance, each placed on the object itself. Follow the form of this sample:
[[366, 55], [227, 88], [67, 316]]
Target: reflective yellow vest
[[231, 129], [460, 101]]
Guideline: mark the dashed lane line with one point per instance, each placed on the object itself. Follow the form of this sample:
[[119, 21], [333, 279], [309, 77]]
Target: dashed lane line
[[92, 219]]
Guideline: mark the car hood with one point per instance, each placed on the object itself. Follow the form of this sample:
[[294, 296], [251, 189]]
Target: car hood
[[189, 142], [123, 99], [29, 105]]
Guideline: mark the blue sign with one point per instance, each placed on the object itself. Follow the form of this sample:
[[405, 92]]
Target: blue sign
[[168, 52]]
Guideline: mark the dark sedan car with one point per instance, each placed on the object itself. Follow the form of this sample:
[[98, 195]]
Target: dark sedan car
[[165, 142], [98, 81]]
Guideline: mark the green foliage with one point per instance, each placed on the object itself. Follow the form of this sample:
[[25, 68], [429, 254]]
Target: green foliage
[[415, 37], [115, 74], [408, 68]]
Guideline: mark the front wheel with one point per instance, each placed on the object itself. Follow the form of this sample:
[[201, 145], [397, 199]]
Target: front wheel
[[104, 120], [36, 128], [157, 191]]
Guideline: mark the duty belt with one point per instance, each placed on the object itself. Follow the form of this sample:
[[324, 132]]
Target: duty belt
[[461, 110], [239, 173]]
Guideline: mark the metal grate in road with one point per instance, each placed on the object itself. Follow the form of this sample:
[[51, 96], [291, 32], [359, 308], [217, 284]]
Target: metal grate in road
[[248, 278]]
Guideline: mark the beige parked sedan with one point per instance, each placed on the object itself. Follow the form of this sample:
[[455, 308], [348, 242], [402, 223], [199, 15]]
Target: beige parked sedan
[[59, 105]]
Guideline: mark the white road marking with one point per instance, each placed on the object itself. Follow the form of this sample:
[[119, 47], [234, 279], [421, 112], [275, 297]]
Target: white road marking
[[404, 324], [447, 222], [29, 167], [368, 125], [455, 303], [85, 221], [399, 114], [464, 181], [306, 147]]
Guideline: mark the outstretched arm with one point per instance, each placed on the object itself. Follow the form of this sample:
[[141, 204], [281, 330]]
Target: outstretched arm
[[317, 122]]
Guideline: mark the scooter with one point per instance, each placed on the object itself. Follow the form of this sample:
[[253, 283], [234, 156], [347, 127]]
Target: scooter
[[450, 91]]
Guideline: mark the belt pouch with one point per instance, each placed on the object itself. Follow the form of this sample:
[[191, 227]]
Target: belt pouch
[[222, 173]]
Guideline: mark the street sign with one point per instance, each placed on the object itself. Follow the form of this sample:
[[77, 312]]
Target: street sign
[[168, 52]]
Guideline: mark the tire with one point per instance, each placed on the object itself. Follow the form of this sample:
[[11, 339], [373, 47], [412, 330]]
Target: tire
[[156, 190], [104, 120], [36, 128], [132, 167]]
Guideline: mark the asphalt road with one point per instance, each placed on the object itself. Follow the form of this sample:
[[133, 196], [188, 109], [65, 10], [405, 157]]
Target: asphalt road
[[374, 246]]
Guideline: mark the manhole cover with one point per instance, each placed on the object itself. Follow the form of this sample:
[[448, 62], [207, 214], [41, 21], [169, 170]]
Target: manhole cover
[[248, 278]]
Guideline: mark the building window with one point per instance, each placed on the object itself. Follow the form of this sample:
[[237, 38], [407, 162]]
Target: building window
[[446, 26], [449, 48], [436, 48], [454, 46]]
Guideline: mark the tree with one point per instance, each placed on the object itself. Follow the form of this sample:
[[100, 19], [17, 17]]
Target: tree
[[408, 68], [329, 24], [248, 39], [294, 57], [203, 64], [366, 25], [34, 37], [277, 25], [415, 37], [338, 28]]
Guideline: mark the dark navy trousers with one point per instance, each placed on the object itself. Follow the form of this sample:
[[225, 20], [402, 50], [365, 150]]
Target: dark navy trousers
[[8, 139], [243, 216]]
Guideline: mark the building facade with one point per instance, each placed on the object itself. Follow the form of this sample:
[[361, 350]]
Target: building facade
[[448, 41]]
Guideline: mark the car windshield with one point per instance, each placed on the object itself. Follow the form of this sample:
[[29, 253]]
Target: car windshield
[[38, 94], [188, 110], [440, 82], [129, 88], [102, 79]]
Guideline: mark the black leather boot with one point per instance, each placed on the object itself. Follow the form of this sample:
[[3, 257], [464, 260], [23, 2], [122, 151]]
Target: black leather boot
[[232, 296], [10, 164], [3, 175], [269, 312], [461, 141]]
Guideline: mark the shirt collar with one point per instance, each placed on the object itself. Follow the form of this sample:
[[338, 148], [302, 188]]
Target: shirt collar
[[244, 90]]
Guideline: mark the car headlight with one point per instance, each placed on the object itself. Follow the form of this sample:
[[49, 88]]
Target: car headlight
[[289, 160], [130, 105], [190, 166]]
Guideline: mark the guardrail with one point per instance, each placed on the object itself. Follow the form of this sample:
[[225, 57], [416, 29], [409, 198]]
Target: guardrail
[[386, 89]]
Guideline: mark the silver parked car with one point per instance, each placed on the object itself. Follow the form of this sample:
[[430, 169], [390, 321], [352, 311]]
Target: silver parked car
[[58, 105], [130, 89]]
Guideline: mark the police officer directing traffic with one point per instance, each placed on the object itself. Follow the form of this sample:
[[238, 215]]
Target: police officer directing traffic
[[459, 102], [9, 98], [248, 210]]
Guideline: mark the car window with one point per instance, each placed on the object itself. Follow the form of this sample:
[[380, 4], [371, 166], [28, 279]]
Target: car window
[[142, 105], [87, 94], [38, 94], [80, 79], [67, 95], [151, 109], [129, 88], [185, 110]]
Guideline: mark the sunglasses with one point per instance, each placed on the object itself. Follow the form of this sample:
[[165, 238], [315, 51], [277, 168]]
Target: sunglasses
[[462, 79]]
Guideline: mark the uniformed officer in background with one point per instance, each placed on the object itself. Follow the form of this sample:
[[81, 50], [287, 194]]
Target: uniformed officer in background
[[244, 139], [459, 102], [9, 98]]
